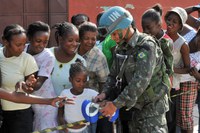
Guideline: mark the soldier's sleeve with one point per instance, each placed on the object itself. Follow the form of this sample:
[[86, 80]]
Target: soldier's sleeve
[[167, 47], [145, 64]]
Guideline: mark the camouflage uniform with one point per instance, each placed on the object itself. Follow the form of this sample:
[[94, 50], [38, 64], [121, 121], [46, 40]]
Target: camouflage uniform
[[142, 75], [167, 47]]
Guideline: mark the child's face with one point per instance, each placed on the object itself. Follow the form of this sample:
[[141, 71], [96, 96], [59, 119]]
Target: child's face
[[70, 43], [39, 41], [151, 27], [173, 23], [79, 81]]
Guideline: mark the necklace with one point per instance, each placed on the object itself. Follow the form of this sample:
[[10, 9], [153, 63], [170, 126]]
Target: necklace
[[61, 65]]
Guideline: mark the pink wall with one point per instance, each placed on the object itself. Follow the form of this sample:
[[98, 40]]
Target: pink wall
[[136, 7]]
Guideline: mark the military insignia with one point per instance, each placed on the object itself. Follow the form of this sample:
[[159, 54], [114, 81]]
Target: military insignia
[[141, 55]]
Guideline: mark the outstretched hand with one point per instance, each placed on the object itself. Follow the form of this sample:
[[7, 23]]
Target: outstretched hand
[[61, 101]]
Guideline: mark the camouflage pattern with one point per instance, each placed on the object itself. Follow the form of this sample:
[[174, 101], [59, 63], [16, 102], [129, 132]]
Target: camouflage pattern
[[155, 124], [167, 47], [143, 86]]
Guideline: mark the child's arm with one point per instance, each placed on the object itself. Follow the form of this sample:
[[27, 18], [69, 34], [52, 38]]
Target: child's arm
[[186, 60], [20, 97], [61, 119]]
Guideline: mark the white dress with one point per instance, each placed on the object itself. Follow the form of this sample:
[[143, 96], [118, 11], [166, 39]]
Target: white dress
[[45, 116], [178, 62]]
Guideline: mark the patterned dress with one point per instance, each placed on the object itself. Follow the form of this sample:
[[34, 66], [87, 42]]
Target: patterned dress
[[45, 116]]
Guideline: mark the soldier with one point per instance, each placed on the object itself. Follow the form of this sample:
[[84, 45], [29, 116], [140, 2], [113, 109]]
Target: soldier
[[136, 84]]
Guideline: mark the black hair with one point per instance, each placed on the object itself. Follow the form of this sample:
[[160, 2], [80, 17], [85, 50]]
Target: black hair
[[63, 29], [154, 13], [87, 26], [75, 68], [37, 26], [11, 30], [74, 17]]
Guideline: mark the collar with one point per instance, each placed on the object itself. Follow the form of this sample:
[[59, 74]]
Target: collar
[[88, 53], [164, 34], [84, 55], [134, 39]]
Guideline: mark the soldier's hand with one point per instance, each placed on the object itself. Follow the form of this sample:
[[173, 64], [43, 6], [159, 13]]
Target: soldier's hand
[[108, 109], [100, 97]]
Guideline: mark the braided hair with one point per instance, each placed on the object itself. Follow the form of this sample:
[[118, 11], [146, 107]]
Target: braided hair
[[63, 29], [76, 68]]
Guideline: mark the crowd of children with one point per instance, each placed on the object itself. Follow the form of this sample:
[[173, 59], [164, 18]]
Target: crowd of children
[[77, 68]]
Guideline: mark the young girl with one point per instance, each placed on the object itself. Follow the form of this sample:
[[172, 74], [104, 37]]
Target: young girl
[[96, 65], [38, 35], [175, 20], [67, 38], [152, 24], [16, 65], [70, 114]]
